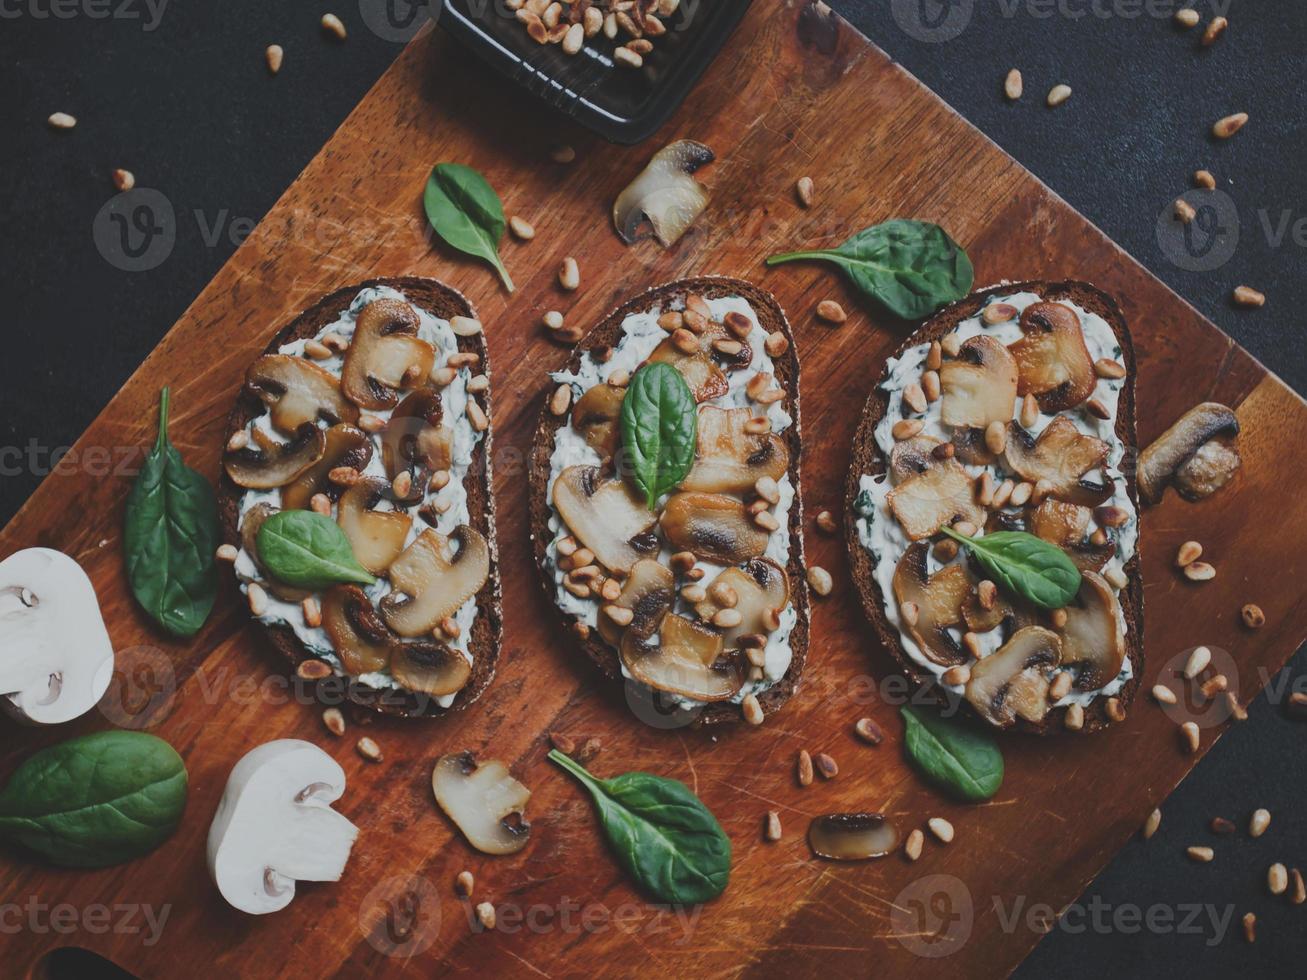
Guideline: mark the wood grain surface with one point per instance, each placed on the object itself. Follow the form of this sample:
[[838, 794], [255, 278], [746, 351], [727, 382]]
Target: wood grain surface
[[793, 93]]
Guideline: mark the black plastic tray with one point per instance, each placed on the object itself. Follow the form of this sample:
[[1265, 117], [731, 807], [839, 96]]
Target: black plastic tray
[[622, 104]]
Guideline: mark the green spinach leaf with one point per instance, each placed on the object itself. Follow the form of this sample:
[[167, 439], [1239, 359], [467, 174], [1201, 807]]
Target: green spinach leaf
[[661, 833], [465, 211], [1026, 566], [660, 424], [170, 534], [911, 267], [308, 550], [95, 800], [962, 762]]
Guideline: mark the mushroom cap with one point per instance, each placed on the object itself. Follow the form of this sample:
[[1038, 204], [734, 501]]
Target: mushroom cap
[[344, 445], [430, 583], [606, 516], [979, 386], [385, 356], [484, 801], [1062, 455], [1053, 362], [714, 527], [852, 836], [940, 495], [377, 537], [728, 459], [259, 468], [665, 193], [939, 599], [298, 392], [1013, 681], [57, 659], [1159, 463]]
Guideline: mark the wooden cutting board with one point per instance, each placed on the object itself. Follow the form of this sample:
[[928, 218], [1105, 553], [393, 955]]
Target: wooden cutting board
[[794, 92]]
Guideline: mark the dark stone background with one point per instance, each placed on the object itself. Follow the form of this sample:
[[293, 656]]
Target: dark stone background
[[186, 104]]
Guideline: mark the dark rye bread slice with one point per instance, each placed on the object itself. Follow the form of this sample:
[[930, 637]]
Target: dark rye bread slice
[[609, 331], [867, 459], [487, 630]]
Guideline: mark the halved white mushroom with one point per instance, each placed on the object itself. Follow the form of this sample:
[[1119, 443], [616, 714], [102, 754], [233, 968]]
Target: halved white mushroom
[[1012, 682], [415, 441], [979, 386], [1094, 638], [298, 392], [649, 591], [251, 521], [728, 459], [431, 584], [702, 375], [665, 193], [1053, 363], [258, 468], [762, 591], [606, 516], [935, 601], [941, 495], [912, 456], [1198, 453], [57, 659], [596, 416], [684, 658], [485, 802], [1067, 526], [345, 446], [385, 355], [714, 527], [275, 826], [361, 640], [429, 667], [377, 536], [852, 836], [1062, 455]]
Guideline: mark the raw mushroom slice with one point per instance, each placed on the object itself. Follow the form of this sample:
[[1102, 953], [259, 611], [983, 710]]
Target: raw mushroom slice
[[941, 495], [258, 468], [912, 456], [714, 527], [1062, 455], [762, 590], [361, 640], [385, 355], [1172, 455], [250, 524], [298, 392], [377, 536], [430, 585], [938, 600], [1067, 526], [852, 836], [1094, 635], [345, 446], [485, 802], [665, 193], [606, 516], [979, 386], [415, 442], [1012, 682], [1053, 363], [596, 416], [275, 826], [728, 459], [57, 659], [649, 591], [702, 375], [429, 667], [684, 659]]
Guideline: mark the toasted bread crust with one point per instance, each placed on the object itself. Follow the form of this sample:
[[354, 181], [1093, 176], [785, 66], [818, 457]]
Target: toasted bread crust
[[771, 318], [868, 460], [487, 630]]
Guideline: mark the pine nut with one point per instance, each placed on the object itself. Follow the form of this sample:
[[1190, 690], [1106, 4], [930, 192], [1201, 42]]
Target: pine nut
[[1199, 571], [1215, 28], [1222, 826], [257, 598], [1277, 878], [751, 709], [1253, 617], [1058, 94], [869, 731], [996, 437], [477, 416], [1247, 296], [1236, 710], [826, 522], [1191, 736], [123, 180], [1107, 368], [1184, 211], [941, 828], [1163, 694], [1098, 410], [1114, 710], [956, 676], [464, 884], [333, 26], [1227, 126], [1060, 686], [1298, 893], [1258, 822], [914, 397], [820, 580], [312, 612], [226, 552], [1012, 86], [486, 915], [1152, 823], [1205, 180], [559, 152], [1203, 855], [826, 766], [727, 618], [992, 314], [1075, 718], [574, 38], [1021, 493], [772, 827], [1197, 662], [320, 503], [1250, 927], [402, 484], [1029, 411], [951, 344], [912, 846], [522, 229], [569, 274], [561, 399], [803, 768], [766, 521], [930, 386], [803, 189], [369, 749], [61, 120], [442, 377], [935, 356], [1187, 17], [1059, 617], [830, 311], [334, 720], [1003, 494], [907, 428], [985, 489], [627, 58], [1189, 553]]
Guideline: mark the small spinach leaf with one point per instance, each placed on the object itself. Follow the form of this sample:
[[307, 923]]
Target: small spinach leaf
[[465, 211], [661, 833], [962, 762], [660, 424], [308, 550], [911, 267], [1027, 567], [170, 534], [95, 800]]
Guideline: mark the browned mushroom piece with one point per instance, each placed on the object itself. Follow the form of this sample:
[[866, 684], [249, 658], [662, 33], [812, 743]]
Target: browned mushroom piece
[[597, 416], [344, 446], [930, 604], [941, 495], [1067, 526], [1053, 363], [713, 526], [415, 442], [852, 836], [359, 637], [1062, 455], [762, 591], [1012, 682], [969, 447], [485, 802], [1094, 637], [649, 591], [428, 666], [664, 193], [376, 536], [684, 658], [606, 516], [251, 521], [702, 375], [431, 583], [729, 459], [1198, 454], [385, 355], [266, 468], [979, 386], [912, 456], [298, 392]]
